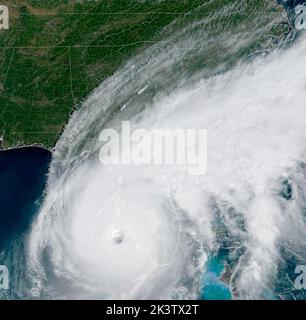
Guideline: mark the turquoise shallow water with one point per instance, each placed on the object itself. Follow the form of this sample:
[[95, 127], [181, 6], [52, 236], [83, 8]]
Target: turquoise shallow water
[[213, 288]]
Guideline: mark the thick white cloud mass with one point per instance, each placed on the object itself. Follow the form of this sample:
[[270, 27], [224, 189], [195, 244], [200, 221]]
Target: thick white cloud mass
[[146, 231]]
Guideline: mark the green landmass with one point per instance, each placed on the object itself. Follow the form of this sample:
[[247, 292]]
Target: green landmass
[[56, 52]]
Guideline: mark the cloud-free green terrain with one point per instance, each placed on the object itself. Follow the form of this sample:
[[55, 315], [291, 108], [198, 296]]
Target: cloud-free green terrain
[[56, 52]]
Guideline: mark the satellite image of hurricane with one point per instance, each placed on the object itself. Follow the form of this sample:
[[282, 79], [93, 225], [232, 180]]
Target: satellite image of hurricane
[[153, 150]]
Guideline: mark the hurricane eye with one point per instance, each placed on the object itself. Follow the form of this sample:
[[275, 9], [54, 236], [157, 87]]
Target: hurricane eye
[[117, 237]]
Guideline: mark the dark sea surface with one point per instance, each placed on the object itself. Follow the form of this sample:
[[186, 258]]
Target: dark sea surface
[[23, 176]]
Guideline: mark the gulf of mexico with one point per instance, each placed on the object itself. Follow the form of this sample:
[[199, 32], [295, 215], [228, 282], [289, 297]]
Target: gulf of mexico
[[23, 176]]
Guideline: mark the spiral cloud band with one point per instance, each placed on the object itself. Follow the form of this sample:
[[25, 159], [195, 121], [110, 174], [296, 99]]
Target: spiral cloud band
[[147, 231]]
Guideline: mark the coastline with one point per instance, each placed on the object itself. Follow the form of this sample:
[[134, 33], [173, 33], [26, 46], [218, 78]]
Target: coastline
[[15, 144], [22, 146], [36, 146]]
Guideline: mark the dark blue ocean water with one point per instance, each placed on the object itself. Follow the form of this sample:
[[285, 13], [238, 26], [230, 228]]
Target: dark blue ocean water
[[23, 175]]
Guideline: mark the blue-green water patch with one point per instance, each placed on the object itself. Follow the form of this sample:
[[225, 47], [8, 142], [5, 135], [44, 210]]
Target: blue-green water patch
[[212, 287]]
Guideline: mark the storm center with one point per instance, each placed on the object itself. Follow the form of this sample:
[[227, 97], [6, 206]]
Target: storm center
[[117, 237]]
